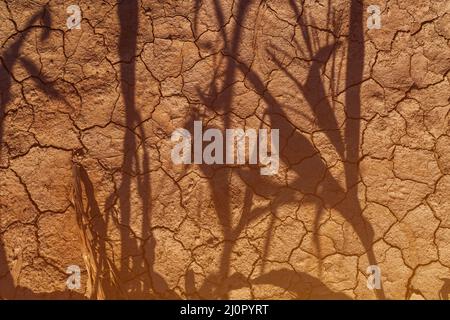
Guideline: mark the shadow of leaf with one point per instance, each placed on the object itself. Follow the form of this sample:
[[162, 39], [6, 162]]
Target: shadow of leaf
[[300, 284]]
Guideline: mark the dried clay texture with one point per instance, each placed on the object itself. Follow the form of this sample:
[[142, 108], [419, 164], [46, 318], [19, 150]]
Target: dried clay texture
[[87, 179]]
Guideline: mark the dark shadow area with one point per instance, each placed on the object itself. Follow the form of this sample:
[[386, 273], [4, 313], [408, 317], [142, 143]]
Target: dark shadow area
[[138, 280], [300, 284], [216, 284], [9, 290], [7, 287], [103, 282], [136, 277], [10, 57], [315, 170], [444, 292]]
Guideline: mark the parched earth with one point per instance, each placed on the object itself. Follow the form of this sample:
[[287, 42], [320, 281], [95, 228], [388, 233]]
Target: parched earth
[[87, 179]]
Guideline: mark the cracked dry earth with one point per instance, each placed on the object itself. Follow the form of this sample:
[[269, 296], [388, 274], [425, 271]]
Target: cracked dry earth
[[86, 176]]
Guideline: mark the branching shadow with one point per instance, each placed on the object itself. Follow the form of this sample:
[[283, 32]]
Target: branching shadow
[[107, 282], [347, 147], [300, 284], [10, 57], [103, 280], [136, 273]]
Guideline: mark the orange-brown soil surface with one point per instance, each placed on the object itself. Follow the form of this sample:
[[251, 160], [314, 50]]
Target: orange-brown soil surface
[[86, 176]]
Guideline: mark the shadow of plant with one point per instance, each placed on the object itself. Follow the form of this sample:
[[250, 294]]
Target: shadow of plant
[[346, 146], [9, 289], [105, 280]]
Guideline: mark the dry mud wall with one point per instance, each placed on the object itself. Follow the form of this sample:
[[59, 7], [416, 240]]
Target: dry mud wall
[[92, 91]]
